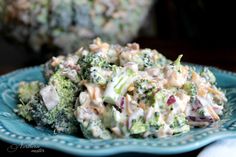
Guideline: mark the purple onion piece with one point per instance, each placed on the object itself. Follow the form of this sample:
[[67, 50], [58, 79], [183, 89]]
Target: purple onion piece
[[200, 119], [171, 100], [122, 102]]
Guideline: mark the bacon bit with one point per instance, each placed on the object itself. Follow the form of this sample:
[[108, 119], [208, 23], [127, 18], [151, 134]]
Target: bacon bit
[[212, 113], [171, 100], [142, 105]]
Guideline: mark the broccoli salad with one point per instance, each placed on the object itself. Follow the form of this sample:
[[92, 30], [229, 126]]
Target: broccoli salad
[[109, 91]]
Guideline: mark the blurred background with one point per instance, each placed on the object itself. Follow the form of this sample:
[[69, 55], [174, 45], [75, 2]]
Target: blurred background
[[32, 31]]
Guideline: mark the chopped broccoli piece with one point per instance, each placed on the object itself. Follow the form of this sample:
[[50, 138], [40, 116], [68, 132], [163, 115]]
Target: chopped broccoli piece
[[98, 76], [39, 111], [61, 118], [138, 127], [179, 124], [34, 110], [190, 88], [112, 117], [201, 112], [119, 84], [161, 60], [62, 115], [147, 59], [91, 60], [27, 90], [160, 99], [208, 75], [154, 121], [145, 90], [95, 129], [24, 111]]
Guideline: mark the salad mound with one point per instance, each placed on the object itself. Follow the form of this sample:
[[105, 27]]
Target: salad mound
[[109, 91]]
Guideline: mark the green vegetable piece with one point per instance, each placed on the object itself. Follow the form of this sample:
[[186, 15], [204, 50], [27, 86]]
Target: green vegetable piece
[[27, 90], [119, 84], [111, 117], [208, 75], [177, 61], [91, 60], [190, 88], [138, 127], [145, 90], [160, 99], [24, 111], [98, 76], [62, 116], [154, 121], [95, 129], [179, 124]]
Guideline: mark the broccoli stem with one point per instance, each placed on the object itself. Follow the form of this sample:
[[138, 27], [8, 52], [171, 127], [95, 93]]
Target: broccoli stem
[[119, 84]]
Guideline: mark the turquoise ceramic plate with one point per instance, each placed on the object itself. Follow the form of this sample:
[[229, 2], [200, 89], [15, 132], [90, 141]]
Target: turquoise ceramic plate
[[14, 129]]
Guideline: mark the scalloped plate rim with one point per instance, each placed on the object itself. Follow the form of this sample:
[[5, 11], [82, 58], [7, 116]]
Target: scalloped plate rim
[[124, 148]]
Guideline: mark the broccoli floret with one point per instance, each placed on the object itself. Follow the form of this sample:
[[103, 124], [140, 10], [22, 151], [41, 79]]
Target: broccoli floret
[[161, 60], [95, 129], [154, 123], [98, 76], [145, 90], [147, 59], [39, 111], [190, 88], [179, 124], [24, 111], [208, 75], [91, 60], [138, 126], [201, 112], [111, 117], [60, 118], [51, 66], [26, 92], [161, 99], [65, 122], [62, 115]]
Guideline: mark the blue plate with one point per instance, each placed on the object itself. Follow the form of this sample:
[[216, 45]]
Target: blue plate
[[14, 129]]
